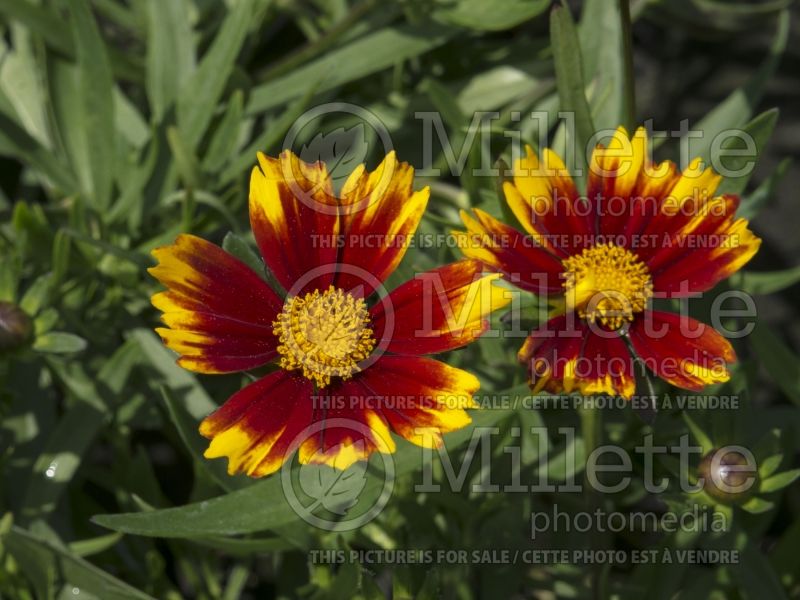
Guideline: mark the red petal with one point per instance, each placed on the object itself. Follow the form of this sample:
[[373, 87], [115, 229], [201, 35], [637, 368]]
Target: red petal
[[517, 256], [706, 251], [219, 312], [381, 214], [258, 427], [565, 355], [545, 201], [680, 350], [421, 398], [294, 216], [439, 310]]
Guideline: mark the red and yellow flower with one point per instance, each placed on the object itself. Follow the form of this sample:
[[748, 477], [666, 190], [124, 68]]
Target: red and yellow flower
[[642, 230], [340, 356]]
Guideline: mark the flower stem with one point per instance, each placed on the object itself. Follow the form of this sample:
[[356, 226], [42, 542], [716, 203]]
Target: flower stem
[[592, 432]]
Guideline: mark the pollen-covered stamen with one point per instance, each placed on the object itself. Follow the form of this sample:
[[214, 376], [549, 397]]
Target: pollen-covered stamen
[[325, 334], [607, 283]]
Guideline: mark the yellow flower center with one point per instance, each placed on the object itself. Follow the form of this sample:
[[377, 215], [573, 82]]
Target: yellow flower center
[[325, 334], [607, 283]]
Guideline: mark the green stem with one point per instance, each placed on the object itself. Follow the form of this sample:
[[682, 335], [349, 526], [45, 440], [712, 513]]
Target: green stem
[[592, 433], [629, 97]]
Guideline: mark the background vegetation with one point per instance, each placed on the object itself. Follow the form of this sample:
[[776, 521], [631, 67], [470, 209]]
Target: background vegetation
[[126, 122]]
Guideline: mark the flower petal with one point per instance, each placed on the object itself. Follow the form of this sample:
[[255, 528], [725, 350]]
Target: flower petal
[[294, 216], [565, 355], [381, 212], [439, 310], [218, 312], [709, 248], [680, 350], [421, 398], [348, 426], [257, 429], [688, 197], [503, 248], [614, 173], [545, 201]]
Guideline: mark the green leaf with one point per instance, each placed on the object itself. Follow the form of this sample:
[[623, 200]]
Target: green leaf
[[780, 362], [757, 506], [96, 100], [18, 143], [698, 434], [760, 130], [490, 15], [41, 21], [59, 342], [271, 137], [769, 465], [170, 53], [223, 144], [35, 297], [768, 282], [72, 568], [752, 204], [61, 254], [196, 444], [779, 481], [21, 81], [571, 87], [194, 397], [363, 56], [244, 546], [599, 33], [95, 545], [264, 505], [198, 98], [48, 24], [55, 467], [737, 108], [185, 160], [239, 248]]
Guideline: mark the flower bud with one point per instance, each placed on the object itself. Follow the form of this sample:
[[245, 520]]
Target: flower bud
[[15, 327], [730, 474]]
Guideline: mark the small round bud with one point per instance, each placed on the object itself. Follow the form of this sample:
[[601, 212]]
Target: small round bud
[[15, 327], [730, 474]]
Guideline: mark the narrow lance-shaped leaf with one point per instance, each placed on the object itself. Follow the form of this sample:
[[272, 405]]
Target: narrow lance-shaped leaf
[[170, 53], [264, 505], [77, 572], [95, 91], [199, 97], [361, 57], [571, 87]]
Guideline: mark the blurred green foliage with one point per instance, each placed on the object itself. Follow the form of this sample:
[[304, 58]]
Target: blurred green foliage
[[126, 122]]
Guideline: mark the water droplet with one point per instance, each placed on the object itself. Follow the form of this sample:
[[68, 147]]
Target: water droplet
[[51, 472], [76, 591]]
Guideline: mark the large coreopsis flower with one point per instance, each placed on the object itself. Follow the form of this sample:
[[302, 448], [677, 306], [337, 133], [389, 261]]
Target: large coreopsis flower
[[641, 231], [345, 352]]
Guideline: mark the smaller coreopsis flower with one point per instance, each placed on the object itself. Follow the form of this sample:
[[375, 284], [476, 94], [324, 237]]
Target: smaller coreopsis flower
[[640, 231], [343, 351]]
